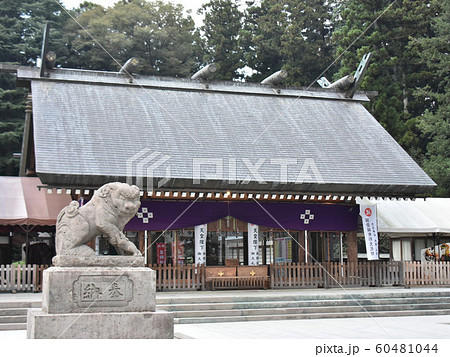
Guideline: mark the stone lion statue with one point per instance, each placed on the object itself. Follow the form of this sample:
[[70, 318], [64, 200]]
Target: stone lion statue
[[107, 213]]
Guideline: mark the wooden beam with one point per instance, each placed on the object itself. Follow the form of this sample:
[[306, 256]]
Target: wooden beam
[[45, 40], [359, 74], [352, 247]]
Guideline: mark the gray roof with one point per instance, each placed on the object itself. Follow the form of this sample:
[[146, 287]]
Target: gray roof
[[95, 127]]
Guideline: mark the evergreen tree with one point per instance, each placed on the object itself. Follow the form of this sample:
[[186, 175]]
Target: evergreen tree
[[21, 29], [396, 68], [291, 35], [434, 124], [12, 102], [157, 33], [222, 24]]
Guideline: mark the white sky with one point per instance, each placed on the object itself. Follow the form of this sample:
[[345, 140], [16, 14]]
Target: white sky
[[187, 4]]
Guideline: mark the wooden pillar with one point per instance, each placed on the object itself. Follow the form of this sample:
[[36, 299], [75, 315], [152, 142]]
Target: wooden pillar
[[223, 239], [352, 247], [264, 249], [141, 242], [301, 247], [245, 244], [327, 235], [149, 248]]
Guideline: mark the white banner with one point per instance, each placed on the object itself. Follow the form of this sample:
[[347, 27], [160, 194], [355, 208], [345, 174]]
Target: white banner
[[200, 243], [369, 222], [253, 231]]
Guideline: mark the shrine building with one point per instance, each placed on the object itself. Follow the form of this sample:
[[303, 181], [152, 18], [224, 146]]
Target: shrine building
[[230, 173]]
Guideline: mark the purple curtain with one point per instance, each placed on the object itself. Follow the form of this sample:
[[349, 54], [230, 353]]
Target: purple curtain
[[161, 215]]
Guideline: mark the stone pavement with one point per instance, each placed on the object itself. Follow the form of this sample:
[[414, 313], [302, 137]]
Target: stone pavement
[[272, 294], [411, 327]]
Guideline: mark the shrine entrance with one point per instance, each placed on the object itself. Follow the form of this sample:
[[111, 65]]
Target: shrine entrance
[[228, 244], [226, 247]]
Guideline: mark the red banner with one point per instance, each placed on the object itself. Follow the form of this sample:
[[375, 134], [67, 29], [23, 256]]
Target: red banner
[[161, 253], [180, 252]]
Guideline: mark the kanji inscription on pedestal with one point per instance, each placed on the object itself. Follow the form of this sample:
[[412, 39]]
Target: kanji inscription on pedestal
[[103, 291]]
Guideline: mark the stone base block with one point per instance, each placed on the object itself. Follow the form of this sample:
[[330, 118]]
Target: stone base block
[[98, 289], [117, 325], [125, 261]]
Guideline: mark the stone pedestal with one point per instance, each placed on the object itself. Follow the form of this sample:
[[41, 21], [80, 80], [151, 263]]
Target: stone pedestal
[[118, 325], [99, 302]]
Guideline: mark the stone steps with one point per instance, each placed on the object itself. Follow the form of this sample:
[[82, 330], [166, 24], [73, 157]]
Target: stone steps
[[20, 304], [196, 320], [283, 295], [203, 307], [297, 303], [13, 326], [305, 311], [242, 306], [13, 314], [13, 319]]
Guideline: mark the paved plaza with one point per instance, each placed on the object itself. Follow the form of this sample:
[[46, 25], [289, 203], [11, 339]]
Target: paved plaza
[[410, 327]]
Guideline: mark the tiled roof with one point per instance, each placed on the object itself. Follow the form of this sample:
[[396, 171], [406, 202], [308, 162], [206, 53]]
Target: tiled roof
[[89, 128]]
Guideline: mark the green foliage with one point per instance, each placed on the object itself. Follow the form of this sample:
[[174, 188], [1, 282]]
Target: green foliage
[[222, 24], [18, 263], [12, 102], [21, 28], [385, 29], [290, 35], [155, 32], [408, 38], [434, 124]]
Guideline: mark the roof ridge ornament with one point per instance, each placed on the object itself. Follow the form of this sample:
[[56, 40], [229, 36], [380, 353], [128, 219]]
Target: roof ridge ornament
[[359, 74], [275, 78], [341, 84], [48, 58], [206, 72], [128, 67], [349, 83]]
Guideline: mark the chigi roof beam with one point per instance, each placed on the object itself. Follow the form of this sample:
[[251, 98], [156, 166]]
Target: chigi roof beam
[[359, 74], [48, 58], [341, 84], [275, 78], [206, 72], [129, 66]]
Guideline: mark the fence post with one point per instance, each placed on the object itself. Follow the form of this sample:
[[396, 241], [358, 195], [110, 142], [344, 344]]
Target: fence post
[[378, 273], [270, 276], [202, 271], [326, 276], [401, 274], [13, 279], [34, 278]]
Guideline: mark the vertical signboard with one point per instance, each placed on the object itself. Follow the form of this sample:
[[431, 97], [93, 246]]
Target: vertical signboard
[[369, 222], [161, 253], [200, 244], [179, 253], [253, 258]]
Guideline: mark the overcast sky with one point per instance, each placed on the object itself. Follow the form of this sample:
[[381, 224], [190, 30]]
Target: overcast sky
[[187, 4]]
